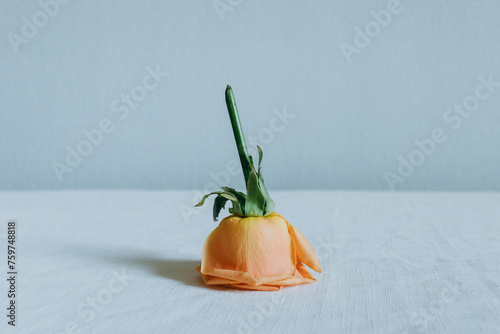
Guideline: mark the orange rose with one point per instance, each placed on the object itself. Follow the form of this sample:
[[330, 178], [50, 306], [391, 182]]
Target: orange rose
[[257, 253], [255, 248]]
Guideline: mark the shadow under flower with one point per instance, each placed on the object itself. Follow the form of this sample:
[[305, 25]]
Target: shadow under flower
[[181, 270], [175, 269]]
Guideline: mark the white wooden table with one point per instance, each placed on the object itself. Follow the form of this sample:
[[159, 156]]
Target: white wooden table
[[124, 262]]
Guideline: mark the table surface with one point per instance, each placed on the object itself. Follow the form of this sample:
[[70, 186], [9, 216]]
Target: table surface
[[124, 262]]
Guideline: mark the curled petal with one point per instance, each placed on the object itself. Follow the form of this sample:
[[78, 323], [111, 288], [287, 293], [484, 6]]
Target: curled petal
[[305, 252], [213, 280], [302, 270]]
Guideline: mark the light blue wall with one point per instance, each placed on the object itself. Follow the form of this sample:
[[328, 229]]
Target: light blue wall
[[359, 103]]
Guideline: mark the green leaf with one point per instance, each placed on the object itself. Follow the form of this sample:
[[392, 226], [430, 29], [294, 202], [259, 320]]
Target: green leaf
[[260, 157], [258, 200], [242, 197], [255, 200], [255, 203], [200, 203], [220, 193], [269, 207], [219, 204], [239, 205], [238, 209], [237, 199]]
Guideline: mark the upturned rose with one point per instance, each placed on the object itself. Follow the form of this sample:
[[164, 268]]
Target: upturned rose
[[255, 248], [257, 253]]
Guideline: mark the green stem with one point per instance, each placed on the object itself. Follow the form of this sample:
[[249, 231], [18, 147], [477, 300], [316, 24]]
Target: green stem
[[238, 133]]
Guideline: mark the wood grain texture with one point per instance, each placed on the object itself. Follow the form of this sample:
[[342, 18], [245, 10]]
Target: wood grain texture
[[123, 262]]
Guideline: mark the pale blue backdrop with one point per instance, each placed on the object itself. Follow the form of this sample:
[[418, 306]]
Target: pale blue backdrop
[[340, 94]]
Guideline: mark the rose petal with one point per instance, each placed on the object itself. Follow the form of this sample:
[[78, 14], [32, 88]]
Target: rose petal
[[305, 252], [213, 280], [253, 287], [302, 270], [302, 276]]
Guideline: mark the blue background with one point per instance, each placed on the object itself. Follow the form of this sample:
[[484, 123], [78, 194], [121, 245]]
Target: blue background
[[355, 117]]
